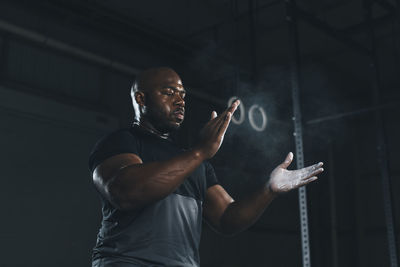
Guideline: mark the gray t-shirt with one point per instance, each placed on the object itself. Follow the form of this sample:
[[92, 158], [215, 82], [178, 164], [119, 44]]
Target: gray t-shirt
[[165, 233]]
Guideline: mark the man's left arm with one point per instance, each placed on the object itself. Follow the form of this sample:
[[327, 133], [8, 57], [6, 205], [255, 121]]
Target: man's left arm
[[229, 217]]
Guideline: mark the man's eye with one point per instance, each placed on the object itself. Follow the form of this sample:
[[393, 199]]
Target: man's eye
[[168, 93]]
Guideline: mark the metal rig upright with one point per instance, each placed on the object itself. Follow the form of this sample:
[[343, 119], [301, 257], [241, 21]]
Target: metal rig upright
[[298, 135]]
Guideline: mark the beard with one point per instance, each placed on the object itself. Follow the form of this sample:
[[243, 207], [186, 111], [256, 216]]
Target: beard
[[166, 127], [161, 121]]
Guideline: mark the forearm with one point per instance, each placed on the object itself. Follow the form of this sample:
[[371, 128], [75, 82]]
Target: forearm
[[138, 185], [241, 214]]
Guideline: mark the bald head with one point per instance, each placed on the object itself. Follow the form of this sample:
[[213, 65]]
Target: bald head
[[154, 77], [148, 88]]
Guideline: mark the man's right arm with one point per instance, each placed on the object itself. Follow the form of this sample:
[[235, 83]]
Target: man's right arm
[[130, 184]]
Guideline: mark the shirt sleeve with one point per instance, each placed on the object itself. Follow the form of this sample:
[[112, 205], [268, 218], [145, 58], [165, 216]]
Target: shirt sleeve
[[122, 141], [211, 177]]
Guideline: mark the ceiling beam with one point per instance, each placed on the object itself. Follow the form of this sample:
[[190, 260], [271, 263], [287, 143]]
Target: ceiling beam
[[238, 18], [361, 27], [328, 29], [386, 5]]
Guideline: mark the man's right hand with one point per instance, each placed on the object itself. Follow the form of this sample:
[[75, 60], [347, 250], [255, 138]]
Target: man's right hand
[[212, 134]]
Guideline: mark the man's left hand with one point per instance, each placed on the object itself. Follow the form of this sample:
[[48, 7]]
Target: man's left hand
[[283, 180]]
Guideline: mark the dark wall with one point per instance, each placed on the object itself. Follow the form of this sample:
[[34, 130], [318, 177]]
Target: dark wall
[[50, 208], [55, 104]]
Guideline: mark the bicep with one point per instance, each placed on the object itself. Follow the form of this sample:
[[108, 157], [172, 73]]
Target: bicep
[[110, 167], [215, 204]]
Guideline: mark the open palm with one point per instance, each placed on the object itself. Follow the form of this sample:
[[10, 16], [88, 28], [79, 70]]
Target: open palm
[[283, 180]]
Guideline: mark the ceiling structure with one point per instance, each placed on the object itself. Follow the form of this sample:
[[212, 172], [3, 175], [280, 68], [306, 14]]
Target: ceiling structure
[[247, 34]]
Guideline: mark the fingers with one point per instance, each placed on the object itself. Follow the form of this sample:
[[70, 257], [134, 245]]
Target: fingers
[[222, 116], [213, 115], [307, 181], [288, 160], [234, 106], [306, 175], [219, 124], [225, 124], [231, 109], [214, 121], [312, 170]]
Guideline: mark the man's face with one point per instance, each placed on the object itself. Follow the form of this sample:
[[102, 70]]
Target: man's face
[[165, 105]]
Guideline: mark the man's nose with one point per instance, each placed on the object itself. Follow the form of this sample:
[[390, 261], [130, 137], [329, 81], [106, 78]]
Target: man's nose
[[179, 101]]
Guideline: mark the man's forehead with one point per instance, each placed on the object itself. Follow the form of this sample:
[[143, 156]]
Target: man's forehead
[[172, 80], [153, 78]]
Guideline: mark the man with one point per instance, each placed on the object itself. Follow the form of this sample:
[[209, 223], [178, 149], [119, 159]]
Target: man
[[155, 195]]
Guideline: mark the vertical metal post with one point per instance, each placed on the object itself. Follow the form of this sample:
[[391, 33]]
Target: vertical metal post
[[253, 39], [298, 135], [3, 56], [235, 30], [381, 147], [396, 38], [398, 10], [358, 205], [332, 204]]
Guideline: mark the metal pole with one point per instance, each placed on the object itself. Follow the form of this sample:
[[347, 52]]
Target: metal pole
[[381, 147], [332, 204], [298, 136], [3, 55], [398, 11], [358, 204]]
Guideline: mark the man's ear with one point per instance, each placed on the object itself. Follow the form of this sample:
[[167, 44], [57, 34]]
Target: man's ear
[[140, 98]]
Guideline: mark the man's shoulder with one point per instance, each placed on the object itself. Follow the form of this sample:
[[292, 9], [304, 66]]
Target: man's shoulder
[[116, 142], [120, 134]]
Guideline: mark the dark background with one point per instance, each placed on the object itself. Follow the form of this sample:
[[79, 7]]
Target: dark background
[[66, 68]]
